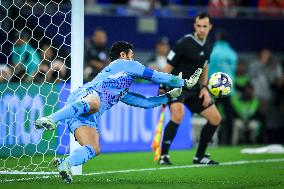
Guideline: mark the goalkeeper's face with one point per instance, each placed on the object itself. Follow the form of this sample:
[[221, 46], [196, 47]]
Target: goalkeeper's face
[[129, 55], [202, 27]]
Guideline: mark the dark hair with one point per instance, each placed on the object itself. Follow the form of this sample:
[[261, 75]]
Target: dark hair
[[99, 29], [118, 47], [163, 40], [202, 15]]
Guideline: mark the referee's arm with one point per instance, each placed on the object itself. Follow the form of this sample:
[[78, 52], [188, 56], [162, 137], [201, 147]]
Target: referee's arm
[[204, 76]]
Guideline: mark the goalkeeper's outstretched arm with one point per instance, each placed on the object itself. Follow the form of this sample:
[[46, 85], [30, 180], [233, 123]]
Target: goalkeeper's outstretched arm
[[139, 70], [141, 101]]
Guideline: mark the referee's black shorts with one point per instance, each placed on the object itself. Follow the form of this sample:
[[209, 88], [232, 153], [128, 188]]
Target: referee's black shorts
[[192, 101]]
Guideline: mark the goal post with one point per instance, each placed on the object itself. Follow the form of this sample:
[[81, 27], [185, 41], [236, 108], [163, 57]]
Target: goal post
[[41, 62], [77, 58]]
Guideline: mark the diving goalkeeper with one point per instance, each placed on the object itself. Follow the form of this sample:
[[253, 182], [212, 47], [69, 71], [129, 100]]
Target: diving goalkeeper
[[110, 86]]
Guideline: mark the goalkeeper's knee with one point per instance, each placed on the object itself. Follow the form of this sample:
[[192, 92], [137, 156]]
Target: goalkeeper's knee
[[94, 102], [95, 147]]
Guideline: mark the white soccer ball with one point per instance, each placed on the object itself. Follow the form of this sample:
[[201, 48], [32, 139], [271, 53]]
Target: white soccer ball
[[220, 84]]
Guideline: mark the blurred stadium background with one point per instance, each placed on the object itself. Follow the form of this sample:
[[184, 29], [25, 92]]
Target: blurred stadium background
[[35, 79]]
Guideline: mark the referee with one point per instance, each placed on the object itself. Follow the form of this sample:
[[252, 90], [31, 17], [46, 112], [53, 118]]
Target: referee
[[191, 52]]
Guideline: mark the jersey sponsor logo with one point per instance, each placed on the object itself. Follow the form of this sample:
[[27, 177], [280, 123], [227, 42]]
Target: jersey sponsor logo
[[171, 55], [201, 53]]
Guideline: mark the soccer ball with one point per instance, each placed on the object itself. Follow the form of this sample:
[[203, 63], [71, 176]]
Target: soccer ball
[[220, 84]]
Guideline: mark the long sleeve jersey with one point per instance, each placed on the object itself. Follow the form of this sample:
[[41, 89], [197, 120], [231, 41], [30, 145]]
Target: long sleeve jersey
[[113, 82]]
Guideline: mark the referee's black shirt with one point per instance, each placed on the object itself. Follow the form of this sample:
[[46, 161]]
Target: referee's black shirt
[[189, 54]]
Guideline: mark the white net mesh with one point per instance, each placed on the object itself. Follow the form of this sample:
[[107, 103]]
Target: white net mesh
[[35, 46]]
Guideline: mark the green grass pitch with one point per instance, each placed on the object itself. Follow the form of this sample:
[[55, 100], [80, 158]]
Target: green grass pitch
[[138, 170]]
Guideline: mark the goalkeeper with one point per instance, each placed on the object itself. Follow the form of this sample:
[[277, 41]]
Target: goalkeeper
[[110, 86]]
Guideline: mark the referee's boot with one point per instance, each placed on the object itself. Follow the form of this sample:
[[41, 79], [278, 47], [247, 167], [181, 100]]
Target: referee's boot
[[164, 160], [205, 160], [45, 123]]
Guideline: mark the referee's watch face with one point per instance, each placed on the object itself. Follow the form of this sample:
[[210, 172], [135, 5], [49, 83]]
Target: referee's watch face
[[202, 27]]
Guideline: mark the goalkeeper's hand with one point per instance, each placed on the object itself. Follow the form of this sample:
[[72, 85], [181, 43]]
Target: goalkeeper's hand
[[176, 92], [189, 83]]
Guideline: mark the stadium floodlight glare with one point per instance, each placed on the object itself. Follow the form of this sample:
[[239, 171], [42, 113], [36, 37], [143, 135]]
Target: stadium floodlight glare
[[39, 42]]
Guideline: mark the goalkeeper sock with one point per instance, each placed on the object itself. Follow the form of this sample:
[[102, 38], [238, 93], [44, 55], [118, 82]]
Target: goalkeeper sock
[[169, 135], [81, 155], [71, 110], [206, 135]]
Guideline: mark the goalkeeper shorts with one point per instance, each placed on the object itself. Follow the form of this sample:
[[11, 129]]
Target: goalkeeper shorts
[[76, 122], [82, 120]]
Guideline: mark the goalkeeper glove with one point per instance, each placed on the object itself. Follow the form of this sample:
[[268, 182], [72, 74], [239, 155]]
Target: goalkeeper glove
[[176, 92], [189, 83]]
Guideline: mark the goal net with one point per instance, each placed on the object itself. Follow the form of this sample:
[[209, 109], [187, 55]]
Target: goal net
[[35, 61]]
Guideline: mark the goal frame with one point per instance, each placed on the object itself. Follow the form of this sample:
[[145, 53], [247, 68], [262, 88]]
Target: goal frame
[[77, 58]]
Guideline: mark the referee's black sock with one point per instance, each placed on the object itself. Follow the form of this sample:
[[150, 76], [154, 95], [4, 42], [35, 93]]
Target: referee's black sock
[[169, 135], [206, 135]]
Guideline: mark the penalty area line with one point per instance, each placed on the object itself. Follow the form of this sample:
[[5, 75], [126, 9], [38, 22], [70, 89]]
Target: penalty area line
[[242, 162]]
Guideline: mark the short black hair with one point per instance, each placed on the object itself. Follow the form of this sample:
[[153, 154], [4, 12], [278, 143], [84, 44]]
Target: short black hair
[[99, 29], [202, 15], [118, 47], [163, 40]]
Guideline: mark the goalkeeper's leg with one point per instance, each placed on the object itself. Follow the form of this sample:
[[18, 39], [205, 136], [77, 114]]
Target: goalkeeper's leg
[[87, 105], [88, 138]]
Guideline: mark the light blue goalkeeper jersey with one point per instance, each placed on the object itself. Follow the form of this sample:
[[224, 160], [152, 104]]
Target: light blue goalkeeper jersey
[[113, 82]]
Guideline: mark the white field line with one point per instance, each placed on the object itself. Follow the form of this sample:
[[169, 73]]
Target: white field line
[[27, 179], [26, 173], [186, 166], [47, 174]]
